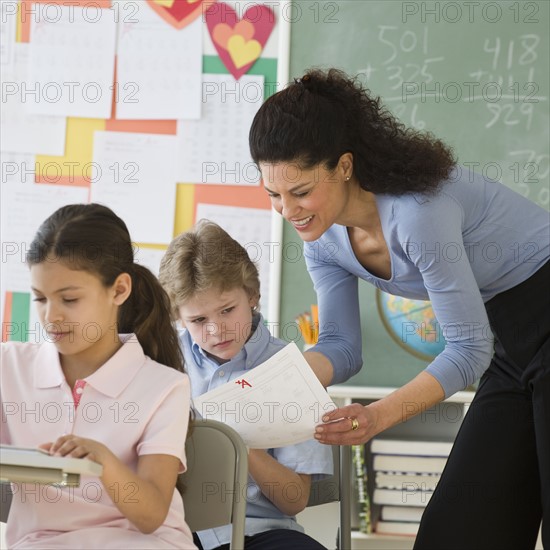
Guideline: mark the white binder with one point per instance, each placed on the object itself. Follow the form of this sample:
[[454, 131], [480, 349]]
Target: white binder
[[26, 465]]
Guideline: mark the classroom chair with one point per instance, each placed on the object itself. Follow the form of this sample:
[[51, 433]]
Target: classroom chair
[[337, 488], [5, 501], [216, 479]]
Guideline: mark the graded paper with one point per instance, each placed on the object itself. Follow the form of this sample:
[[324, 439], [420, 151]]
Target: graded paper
[[277, 403], [215, 148]]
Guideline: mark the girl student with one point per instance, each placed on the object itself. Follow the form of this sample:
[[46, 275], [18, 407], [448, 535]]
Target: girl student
[[214, 289], [111, 359]]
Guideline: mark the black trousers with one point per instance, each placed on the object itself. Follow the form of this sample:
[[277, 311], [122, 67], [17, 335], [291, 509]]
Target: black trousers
[[276, 539], [495, 488]]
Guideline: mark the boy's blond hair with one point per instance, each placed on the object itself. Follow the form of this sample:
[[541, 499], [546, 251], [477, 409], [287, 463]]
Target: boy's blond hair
[[203, 258]]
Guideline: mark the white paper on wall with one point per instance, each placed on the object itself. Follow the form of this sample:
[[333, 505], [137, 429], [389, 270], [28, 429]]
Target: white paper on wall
[[72, 60], [158, 69], [215, 148], [134, 174], [8, 26], [24, 207], [20, 131]]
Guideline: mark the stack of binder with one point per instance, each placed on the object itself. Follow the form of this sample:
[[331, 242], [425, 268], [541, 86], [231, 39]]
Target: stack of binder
[[406, 473]]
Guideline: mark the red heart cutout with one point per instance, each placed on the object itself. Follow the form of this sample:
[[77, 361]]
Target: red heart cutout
[[180, 13], [237, 47]]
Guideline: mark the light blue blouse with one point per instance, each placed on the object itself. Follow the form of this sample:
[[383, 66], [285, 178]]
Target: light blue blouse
[[309, 457], [472, 240]]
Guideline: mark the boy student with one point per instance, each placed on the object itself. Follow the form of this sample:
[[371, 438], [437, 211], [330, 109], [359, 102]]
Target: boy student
[[214, 289]]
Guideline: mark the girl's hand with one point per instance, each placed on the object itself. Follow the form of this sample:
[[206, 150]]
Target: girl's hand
[[78, 447], [350, 425], [148, 491]]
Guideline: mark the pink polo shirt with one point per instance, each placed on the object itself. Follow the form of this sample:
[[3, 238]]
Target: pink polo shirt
[[132, 404]]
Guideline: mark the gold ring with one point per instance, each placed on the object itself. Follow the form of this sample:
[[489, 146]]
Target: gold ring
[[354, 424]]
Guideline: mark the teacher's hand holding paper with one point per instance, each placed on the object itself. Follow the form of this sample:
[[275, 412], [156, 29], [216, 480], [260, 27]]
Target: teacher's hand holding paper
[[277, 403]]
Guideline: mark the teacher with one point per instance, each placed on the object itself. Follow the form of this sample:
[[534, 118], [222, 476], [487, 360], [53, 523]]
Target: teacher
[[377, 201]]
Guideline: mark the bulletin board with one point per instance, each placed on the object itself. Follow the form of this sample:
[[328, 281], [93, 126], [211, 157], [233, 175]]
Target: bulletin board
[[142, 105]]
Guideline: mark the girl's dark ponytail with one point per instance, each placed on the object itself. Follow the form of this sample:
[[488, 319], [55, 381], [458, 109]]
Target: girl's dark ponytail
[[147, 313]]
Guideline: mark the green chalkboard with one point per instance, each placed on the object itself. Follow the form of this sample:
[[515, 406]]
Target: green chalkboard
[[475, 73]]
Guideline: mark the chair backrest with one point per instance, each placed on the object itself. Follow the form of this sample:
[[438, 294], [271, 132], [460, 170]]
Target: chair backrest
[[216, 479], [337, 487], [5, 501]]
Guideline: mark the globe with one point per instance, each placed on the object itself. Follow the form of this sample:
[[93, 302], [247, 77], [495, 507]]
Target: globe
[[411, 324]]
